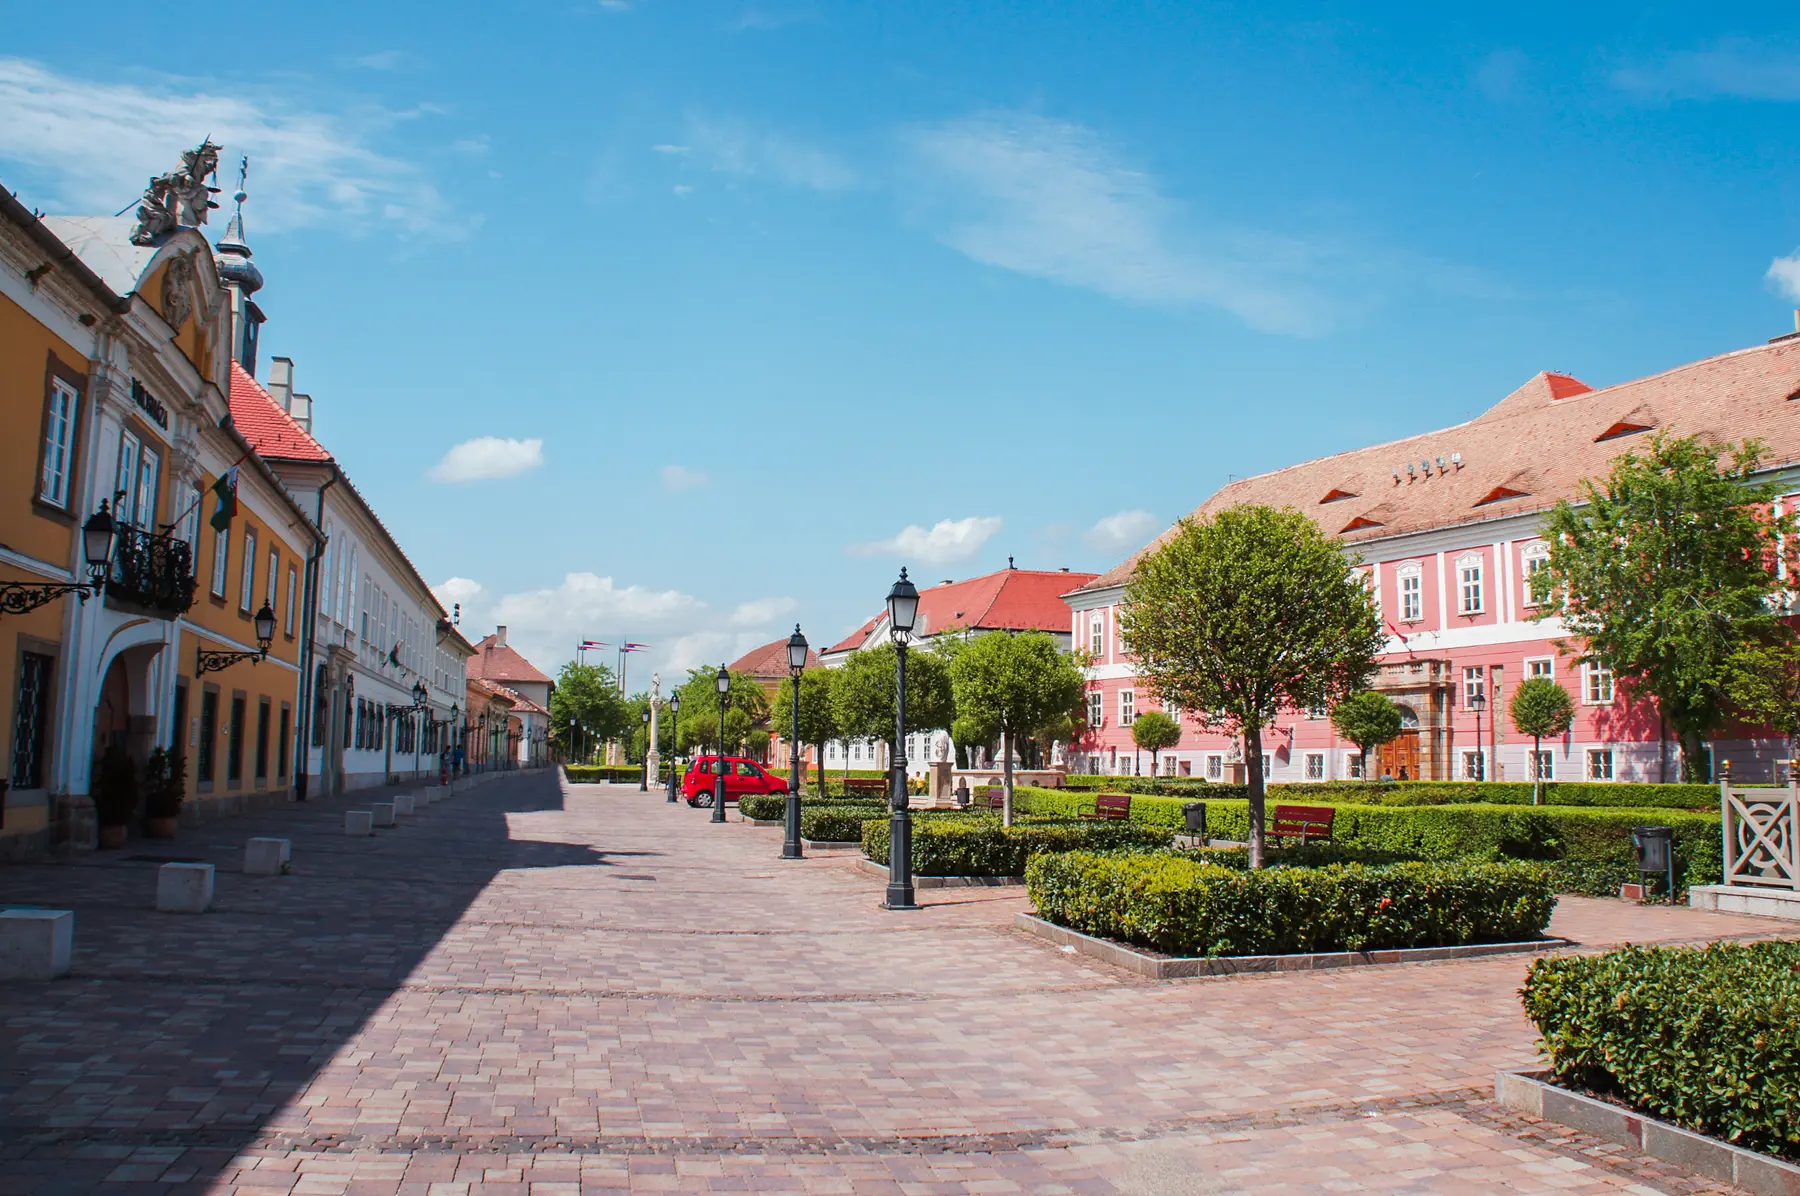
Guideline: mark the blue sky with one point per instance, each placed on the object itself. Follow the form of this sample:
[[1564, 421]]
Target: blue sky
[[793, 293]]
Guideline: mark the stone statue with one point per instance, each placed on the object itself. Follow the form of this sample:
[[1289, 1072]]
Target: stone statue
[[179, 199], [941, 748], [1234, 752], [1057, 758]]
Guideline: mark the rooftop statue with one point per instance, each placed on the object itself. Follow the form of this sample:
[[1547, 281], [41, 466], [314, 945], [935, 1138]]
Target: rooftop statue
[[179, 199]]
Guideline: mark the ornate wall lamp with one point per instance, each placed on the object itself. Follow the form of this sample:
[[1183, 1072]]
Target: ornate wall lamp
[[98, 536], [211, 662]]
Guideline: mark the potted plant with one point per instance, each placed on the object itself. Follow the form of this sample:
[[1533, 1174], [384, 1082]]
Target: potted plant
[[165, 784], [115, 794]]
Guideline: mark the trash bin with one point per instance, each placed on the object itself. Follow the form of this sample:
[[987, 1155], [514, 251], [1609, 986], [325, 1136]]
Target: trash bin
[[962, 795], [1655, 848], [1195, 813]]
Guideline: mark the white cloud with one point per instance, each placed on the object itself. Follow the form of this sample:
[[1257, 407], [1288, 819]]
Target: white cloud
[[733, 147], [383, 60], [1122, 532], [92, 145], [1784, 272], [677, 477], [676, 150], [761, 611], [1735, 68], [1049, 199], [682, 190], [488, 457], [683, 631], [949, 542]]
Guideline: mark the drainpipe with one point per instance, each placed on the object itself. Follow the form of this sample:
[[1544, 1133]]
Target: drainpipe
[[308, 633]]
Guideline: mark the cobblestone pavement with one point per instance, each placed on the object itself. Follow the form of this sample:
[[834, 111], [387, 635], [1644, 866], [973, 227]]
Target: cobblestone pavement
[[518, 992]]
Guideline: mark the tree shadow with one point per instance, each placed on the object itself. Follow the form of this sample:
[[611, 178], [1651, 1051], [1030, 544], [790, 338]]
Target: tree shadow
[[177, 1039]]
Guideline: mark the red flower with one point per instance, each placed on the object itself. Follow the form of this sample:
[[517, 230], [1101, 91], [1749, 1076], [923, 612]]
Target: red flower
[[1385, 902]]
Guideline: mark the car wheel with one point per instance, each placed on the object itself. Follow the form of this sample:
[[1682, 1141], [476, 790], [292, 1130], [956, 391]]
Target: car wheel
[[701, 801]]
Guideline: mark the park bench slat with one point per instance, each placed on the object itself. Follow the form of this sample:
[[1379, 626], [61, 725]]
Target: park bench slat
[[1111, 807], [1305, 823]]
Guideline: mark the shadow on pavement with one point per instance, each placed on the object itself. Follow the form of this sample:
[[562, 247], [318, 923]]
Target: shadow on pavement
[[177, 1037]]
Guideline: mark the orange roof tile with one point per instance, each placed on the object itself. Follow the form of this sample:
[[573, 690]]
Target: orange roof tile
[[770, 660], [272, 432], [500, 663]]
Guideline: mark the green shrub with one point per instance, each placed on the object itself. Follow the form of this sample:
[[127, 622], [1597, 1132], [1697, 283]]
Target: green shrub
[[977, 845], [1415, 793], [762, 806], [838, 822], [1191, 907], [591, 774], [1708, 1038]]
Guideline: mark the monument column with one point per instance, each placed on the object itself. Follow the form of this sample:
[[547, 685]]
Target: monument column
[[651, 755]]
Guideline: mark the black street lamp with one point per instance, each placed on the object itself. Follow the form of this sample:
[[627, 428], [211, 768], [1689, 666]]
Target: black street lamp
[[796, 655], [721, 683], [674, 725], [1478, 703], [98, 536], [644, 776], [210, 662], [903, 612]]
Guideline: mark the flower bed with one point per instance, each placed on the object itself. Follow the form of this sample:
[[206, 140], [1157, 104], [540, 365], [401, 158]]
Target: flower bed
[[1708, 1038], [977, 845], [1189, 907]]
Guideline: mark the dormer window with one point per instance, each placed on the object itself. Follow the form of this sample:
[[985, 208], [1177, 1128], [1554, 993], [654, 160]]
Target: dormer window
[[1358, 524], [1501, 494], [1337, 494], [1625, 428]]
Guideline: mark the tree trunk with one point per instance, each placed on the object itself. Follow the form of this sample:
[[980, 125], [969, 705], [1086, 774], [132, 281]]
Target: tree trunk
[[1253, 772], [1693, 758], [1363, 750], [1662, 748], [1006, 773]]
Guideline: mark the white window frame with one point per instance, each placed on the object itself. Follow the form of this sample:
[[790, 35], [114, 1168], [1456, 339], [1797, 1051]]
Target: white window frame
[[1603, 753], [1315, 766], [1127, 707], [1469, 756], [59, 444], [221, 560], [1097, 637], [1353, 765], [1542, 760], [1535, 558], [1268, 765], [247, 583], [1096, 709], [1215, 767], [1548, 664], [1471, 584], [293, 591], [1409, 579], [1597, 680], [1474, 682]]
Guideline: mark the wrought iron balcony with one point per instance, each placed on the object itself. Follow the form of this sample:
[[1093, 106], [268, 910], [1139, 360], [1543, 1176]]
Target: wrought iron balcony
[[152, 571]]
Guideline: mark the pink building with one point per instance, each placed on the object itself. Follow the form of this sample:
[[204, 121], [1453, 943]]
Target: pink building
[[1447, 525]]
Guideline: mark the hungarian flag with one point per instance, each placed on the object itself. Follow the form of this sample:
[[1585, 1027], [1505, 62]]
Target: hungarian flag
[[394, 656], [225, 490]]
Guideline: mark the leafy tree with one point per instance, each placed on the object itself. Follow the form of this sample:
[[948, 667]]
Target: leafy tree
[[1247, 613], [745, 706], [1152, 731], [862, 695], [1540, 707], [1012, 685], [1764, 685], [1665, 573], [818, 724], [588, 694], [1367, 719]]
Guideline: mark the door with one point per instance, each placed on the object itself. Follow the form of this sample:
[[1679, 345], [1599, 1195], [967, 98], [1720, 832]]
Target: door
[[743, 777], [1400, 758]]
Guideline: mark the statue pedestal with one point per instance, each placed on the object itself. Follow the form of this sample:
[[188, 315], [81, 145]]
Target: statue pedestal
[[655, 763], [1236, 774], [940, 781]]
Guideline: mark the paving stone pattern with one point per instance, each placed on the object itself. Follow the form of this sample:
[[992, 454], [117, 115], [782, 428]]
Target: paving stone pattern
[[535, 989]]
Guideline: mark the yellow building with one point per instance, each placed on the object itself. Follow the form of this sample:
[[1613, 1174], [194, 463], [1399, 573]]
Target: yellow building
[[116, 342]]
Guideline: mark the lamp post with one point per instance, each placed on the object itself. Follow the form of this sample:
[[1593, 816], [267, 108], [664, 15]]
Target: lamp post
[[450, 739], [721, 683], [1478, 703], [209, 662], [796, 655], [903, 611], [644, 776], [99, 535], [420, 698], [674, 742]]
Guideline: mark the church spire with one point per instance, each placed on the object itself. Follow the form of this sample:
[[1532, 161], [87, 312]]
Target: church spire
[[241, 278]]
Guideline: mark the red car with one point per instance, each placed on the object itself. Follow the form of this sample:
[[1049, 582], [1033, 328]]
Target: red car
[[743, 776]]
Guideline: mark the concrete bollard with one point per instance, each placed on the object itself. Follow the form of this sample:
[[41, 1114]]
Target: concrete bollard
[[404, 805], [266, 857], [427, 796], [358, 823], [36, 944], [382, 812], [184, 888]]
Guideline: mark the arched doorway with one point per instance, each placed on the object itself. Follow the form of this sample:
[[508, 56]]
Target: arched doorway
[[1400, 758]]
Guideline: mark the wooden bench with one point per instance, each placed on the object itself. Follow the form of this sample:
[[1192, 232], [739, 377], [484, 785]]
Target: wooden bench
[[989, 797], [1305, 823], [876, 787], [1111, 807]]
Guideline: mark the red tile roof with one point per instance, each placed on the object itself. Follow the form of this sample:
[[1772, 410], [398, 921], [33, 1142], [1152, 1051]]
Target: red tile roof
[[1005, 600], [272, 432], [500, 663], [1527, 451], [770, 660], [856, 638]]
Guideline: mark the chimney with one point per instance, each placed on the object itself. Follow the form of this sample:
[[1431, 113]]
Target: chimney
[[301, 410], [1065, 569], [500, 636], [281, 381]]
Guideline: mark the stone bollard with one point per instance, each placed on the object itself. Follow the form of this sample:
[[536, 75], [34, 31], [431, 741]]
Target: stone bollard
[[427, 796], [266, 857], [382, 812], [404, 805], [184, 888], [358, 823], [35, 944]]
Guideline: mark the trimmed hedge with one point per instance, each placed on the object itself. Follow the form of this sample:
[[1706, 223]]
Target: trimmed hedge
[[774, 805], [975, 845], [1590, 848], [590, 774], [1189, 907], [1416, 793], [839, 822], [1708, 1038]]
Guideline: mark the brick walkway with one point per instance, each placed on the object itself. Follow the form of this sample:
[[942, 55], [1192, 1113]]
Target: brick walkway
[[514, 993]]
